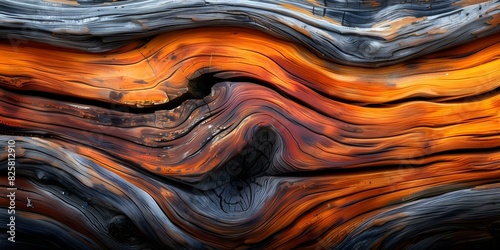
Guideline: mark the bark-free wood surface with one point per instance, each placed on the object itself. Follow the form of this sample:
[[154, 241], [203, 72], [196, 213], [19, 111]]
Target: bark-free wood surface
[[368, 32]]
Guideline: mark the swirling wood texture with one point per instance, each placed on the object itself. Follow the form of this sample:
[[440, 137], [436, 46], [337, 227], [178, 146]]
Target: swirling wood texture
[[251, 124], [357, 32]]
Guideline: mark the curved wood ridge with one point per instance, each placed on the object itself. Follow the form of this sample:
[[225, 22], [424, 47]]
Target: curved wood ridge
[[366, 32], [161, 70], [251, 124]]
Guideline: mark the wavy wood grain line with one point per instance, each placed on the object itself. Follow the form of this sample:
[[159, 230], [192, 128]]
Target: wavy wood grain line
[[162, 69], [369, 33]]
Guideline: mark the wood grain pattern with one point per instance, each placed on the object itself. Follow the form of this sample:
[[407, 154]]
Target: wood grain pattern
[[236, 126], [357, 32]]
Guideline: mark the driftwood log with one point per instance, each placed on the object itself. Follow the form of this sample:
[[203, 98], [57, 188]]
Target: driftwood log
[[146, 124]]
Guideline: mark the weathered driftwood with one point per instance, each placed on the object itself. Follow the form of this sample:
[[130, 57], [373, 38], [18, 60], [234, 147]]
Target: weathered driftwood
[[231, 137], [367, 33]]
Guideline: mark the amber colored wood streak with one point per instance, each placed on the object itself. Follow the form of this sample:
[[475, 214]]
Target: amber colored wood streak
[[344, 135], [366, 33], [351, 143], [160, 70]]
